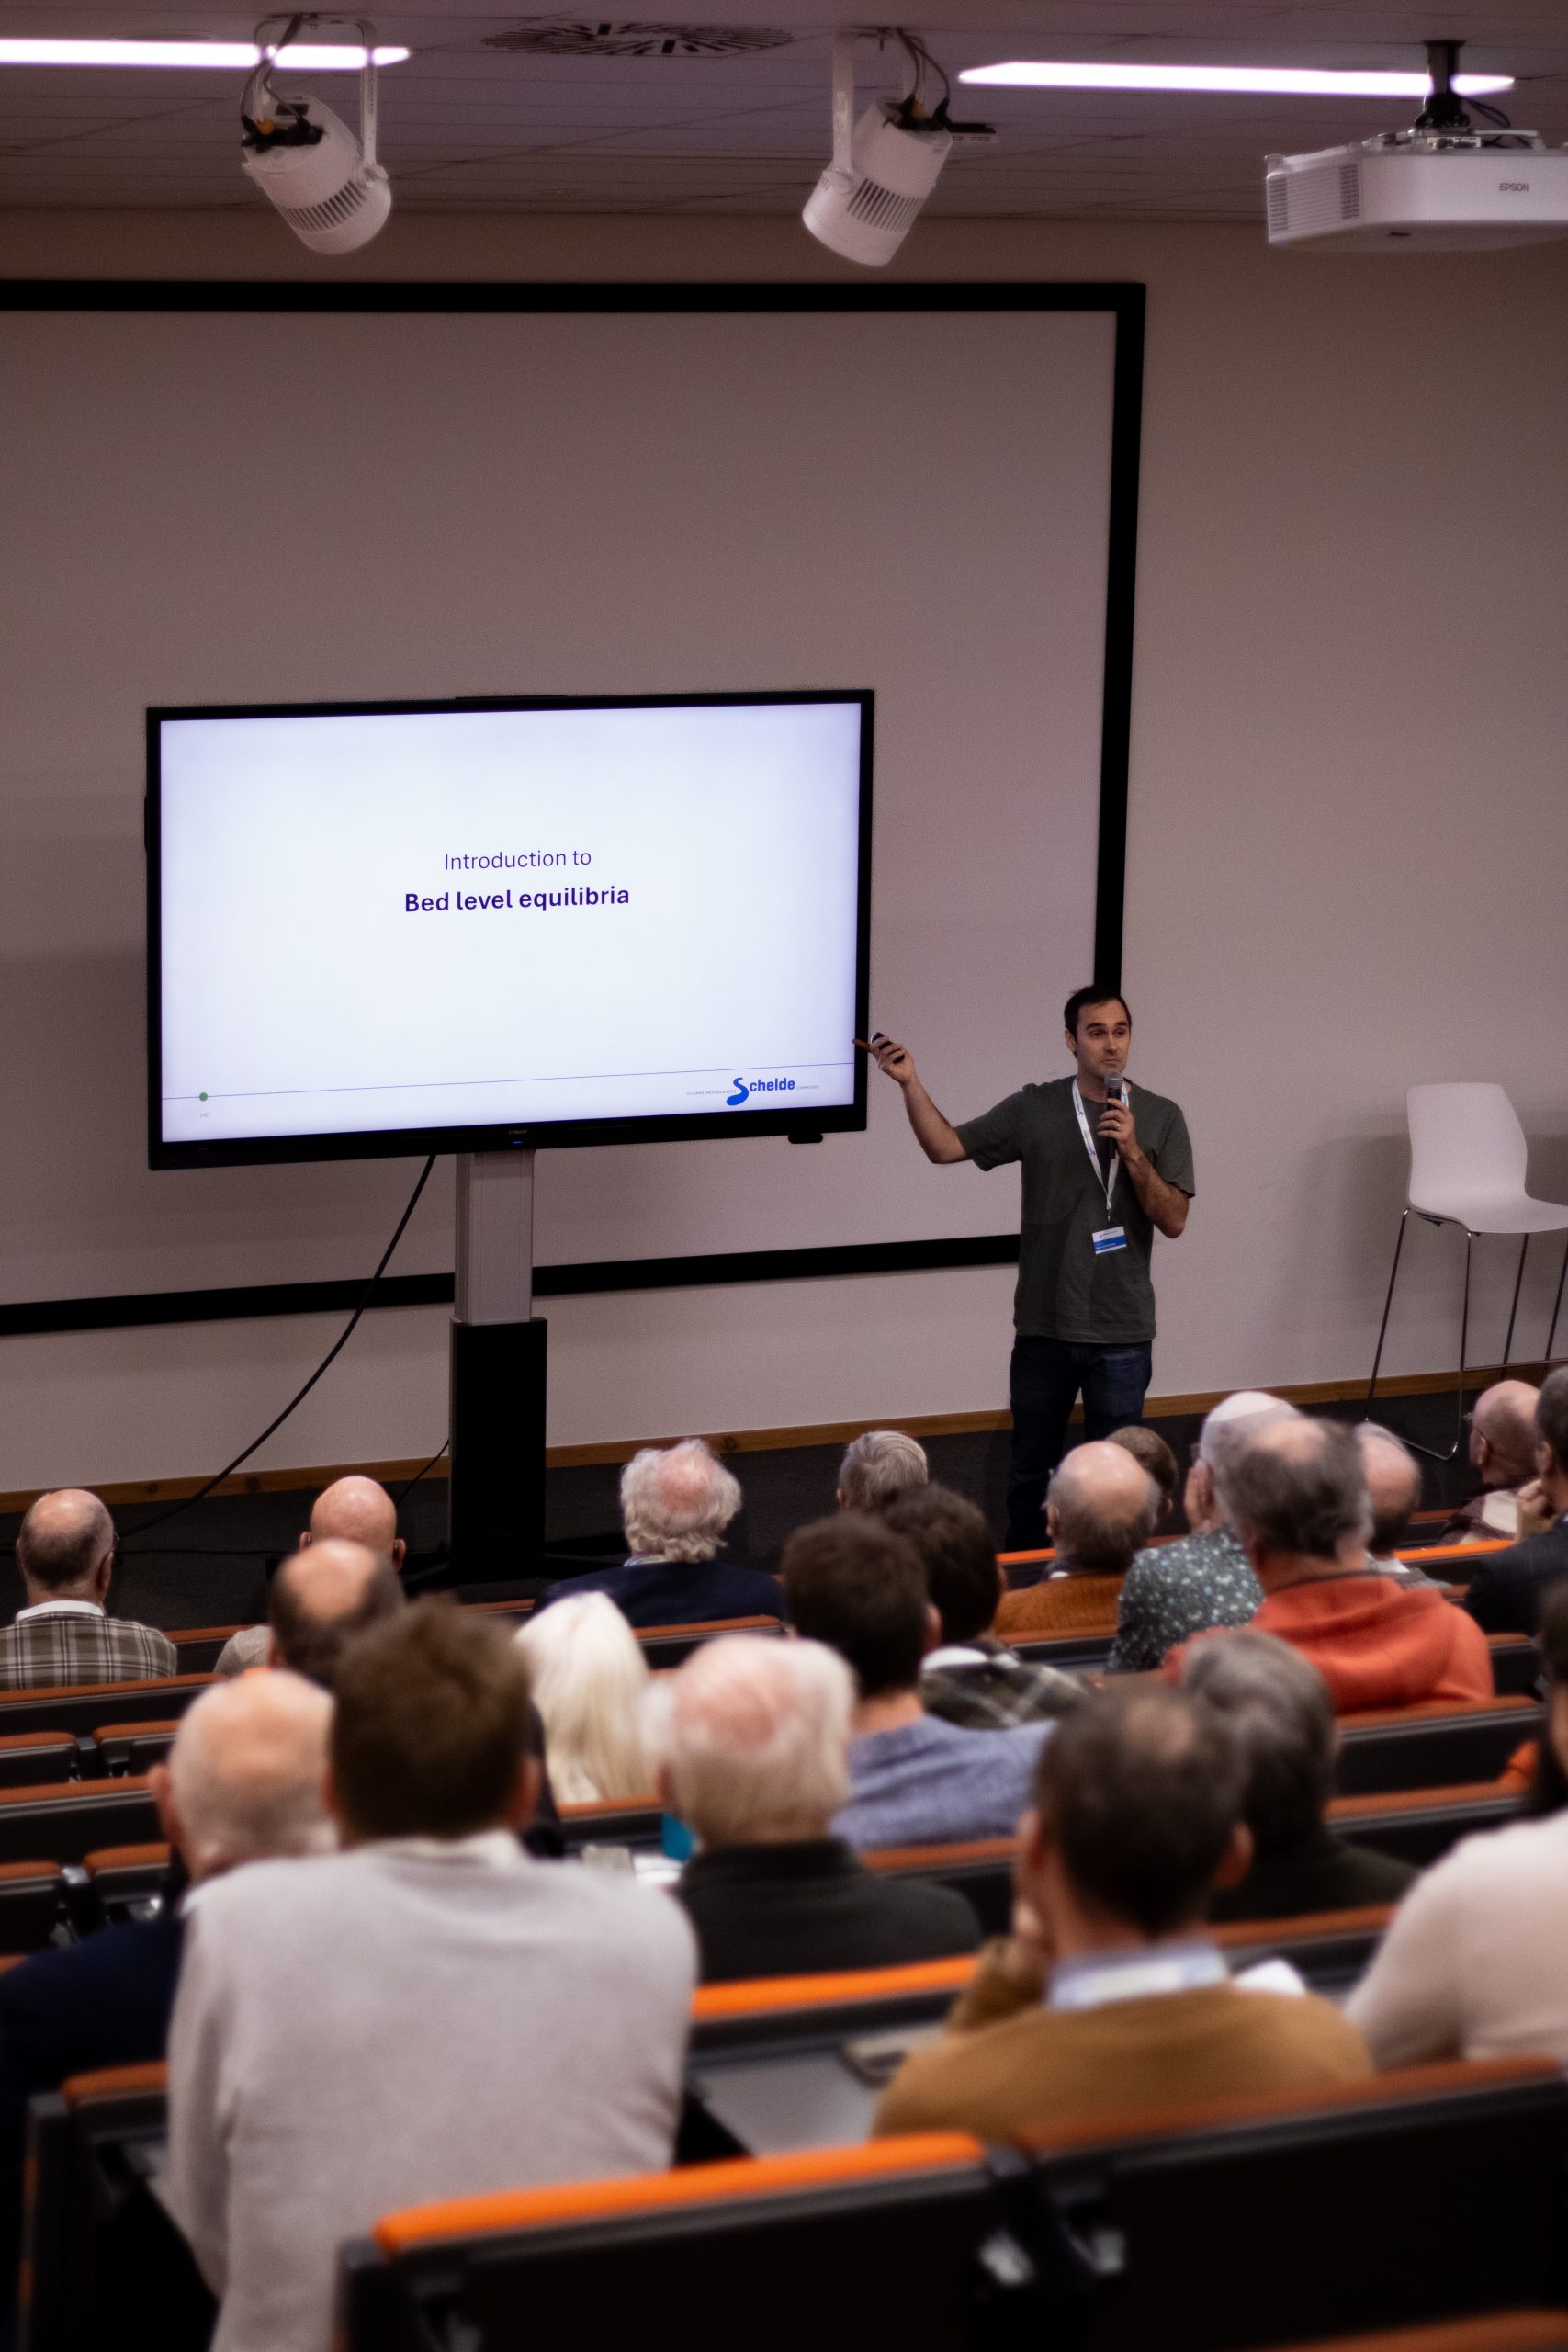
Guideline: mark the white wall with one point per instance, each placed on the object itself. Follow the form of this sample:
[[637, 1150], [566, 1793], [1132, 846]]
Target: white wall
[[1345, 865]]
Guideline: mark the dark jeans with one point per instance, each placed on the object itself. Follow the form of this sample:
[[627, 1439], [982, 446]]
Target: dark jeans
[[1042, 1387]]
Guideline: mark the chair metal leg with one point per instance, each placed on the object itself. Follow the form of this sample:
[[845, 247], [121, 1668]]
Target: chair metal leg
[[1556, 1304], [1432, 1453], [1388, 1302], [1518, 1278]]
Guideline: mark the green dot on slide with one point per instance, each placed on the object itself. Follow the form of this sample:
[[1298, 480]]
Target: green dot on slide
[[201, 1098]]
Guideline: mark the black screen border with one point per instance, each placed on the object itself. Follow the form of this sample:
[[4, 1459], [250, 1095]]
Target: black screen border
[[542, 1134]]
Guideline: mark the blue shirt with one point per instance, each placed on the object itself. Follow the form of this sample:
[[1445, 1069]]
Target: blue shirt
[[934, 1783]]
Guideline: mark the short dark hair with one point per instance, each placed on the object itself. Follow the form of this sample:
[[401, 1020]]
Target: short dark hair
[[1081, 999], [1277, 1706], [1307, 1497], [957, 1551], [1140, 1790], [852, 1583], [431, 1726], [1552, 1415], [313, 1645], [1146, 1446]]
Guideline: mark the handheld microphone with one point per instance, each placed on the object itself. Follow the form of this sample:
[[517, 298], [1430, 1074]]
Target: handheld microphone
[[1113, 1088]]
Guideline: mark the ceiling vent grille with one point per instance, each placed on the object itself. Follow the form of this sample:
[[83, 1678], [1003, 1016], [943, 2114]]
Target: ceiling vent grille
[[566, 37]]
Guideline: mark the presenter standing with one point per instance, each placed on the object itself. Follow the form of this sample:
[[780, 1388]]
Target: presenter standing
[[1105, 1167]]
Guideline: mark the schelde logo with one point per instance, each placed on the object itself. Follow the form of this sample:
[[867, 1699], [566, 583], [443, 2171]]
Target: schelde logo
[[746, 1087]]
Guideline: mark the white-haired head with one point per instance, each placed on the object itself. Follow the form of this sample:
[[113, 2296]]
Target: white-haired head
[[1226, 1433], [676, 1501], [752, 1738], [245, 1777], [587, 1674], [879, 1466]]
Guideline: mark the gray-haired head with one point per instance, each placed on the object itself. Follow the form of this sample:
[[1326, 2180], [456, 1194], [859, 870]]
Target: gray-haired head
[[753, 1739], [247, 1770], [1101, 1506], [1502, 1432], [1394, 1485], [1277, 1707], [879, 1466], [1230, 1429], [65, 1544], [1299, 1489], [677, 1501]]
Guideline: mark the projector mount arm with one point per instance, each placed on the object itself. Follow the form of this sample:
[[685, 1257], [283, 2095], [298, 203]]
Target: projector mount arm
[[1444, 110], [274, 121]]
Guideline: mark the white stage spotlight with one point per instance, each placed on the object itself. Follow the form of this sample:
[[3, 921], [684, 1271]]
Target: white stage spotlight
[[326, 183], [885, 165]]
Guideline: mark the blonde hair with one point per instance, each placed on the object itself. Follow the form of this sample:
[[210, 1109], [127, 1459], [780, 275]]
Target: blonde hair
[[587, 1674], [754, 1734]]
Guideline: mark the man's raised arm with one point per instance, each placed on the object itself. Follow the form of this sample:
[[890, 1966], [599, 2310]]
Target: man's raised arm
[[937, 1136]]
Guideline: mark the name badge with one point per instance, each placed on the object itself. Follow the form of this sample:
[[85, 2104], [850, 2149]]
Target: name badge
[[1109, 1238]]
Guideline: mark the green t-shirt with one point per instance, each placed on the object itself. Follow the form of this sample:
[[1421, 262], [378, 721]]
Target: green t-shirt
[[1064, 1291]]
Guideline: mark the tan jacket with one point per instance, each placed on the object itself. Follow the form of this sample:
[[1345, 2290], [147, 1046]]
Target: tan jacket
[[1007, 2066]]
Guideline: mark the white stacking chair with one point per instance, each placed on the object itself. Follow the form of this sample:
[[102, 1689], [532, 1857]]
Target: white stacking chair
[[1467, 1168]]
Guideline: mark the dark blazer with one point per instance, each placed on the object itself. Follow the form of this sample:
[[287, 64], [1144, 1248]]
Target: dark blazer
[[1322, 1874], [810, 1907], [679, 1592], [104, 2001], [1507, 1587]]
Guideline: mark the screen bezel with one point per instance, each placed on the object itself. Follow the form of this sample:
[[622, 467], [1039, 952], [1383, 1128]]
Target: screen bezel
[[401, 1143]]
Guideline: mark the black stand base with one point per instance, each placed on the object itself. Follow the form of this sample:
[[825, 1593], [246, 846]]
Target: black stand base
[[496, 1494]]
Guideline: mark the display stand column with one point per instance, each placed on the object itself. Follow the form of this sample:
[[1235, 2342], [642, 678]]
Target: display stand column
[[496, 1496]]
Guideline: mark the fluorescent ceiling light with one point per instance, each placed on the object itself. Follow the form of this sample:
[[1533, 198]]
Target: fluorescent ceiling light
[[227, 56], [1279, 81]]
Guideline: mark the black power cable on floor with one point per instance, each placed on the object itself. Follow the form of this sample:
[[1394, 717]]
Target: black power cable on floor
[[327, 1360]]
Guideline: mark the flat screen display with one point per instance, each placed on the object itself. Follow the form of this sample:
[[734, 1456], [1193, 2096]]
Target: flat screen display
[[419, 926]]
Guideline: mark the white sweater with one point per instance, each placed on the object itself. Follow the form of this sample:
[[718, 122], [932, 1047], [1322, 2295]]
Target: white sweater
[[374, 2029], [1475, 1964]]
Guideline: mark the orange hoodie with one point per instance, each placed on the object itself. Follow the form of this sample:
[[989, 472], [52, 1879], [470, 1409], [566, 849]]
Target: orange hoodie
[[1376, 1643]]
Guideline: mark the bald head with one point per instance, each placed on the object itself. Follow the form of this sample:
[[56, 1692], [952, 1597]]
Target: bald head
[[356, 1511], [1101, 1508], [322, 1598], [245, 1777], [1394, 1485], [65, 1547], [1502, 1432]]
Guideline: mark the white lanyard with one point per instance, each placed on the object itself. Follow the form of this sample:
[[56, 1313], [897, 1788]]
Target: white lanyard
[[1088, 1145]]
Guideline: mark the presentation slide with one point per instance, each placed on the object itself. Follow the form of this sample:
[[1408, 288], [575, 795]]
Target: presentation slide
[[513, 918]]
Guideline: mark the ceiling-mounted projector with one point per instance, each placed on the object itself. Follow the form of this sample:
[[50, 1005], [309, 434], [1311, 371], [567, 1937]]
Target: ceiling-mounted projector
[[1440, 187], [326, 182], [885, 165]]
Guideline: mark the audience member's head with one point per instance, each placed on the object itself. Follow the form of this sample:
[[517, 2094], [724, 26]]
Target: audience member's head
[[322, 1599], [1147, 1446], [879, 1466], [1226, 1433], [588, 1675], [1503, 1434], [1297, 1496], [957, 1551], [1281, 1717], [433, 1733], [1393, 1485], [65, 1547], [676, 1501], [243, 1780], [852, 1583], [1551, 1437], [1101, 1508], [356, 1511], [1139, 1812], [752, 1738]]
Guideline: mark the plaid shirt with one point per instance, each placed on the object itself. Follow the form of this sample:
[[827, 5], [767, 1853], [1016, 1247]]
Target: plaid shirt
[[50, 1645], [998, 1691]]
